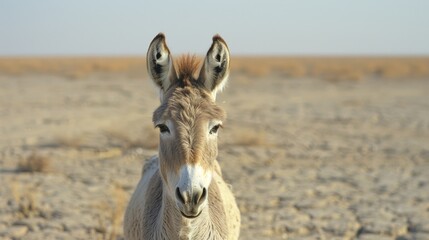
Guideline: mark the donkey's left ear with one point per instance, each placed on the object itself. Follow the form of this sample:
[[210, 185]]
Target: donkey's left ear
[[214, 73]]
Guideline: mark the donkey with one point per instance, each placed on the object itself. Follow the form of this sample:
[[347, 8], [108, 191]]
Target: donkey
[[181, 193]]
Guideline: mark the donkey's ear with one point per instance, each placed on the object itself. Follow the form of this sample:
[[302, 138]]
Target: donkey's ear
[[159, 63], [214, 73]]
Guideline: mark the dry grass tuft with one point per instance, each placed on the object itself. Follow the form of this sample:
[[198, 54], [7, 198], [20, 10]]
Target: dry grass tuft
[[111, 215], [26, 200], [34, 163]]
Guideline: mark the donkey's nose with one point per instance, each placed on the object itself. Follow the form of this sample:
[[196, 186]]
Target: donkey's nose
[[193, 200]]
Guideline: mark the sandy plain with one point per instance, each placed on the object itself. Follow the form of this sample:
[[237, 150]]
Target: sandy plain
[[307, 158]]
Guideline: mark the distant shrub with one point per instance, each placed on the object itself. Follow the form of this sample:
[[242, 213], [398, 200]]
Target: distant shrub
[[34, 163]]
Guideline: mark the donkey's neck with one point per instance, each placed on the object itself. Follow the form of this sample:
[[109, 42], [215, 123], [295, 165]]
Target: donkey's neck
[[210, 224]]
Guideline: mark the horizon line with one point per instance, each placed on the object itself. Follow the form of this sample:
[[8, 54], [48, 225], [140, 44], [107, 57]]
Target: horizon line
[[425, 55]]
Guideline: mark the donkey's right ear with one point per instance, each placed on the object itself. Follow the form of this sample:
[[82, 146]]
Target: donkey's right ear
[[160, 64]]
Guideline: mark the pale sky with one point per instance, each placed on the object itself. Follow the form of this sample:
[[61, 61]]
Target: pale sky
[[299, 27]]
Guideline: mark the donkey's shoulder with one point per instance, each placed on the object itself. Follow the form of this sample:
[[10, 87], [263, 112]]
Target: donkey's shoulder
[[150, 164]]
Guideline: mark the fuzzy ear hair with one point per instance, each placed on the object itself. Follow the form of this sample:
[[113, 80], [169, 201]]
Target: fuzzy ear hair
[[160, 64], [214, 73]]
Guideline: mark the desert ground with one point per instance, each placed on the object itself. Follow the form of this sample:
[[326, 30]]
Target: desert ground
[[313, 149]]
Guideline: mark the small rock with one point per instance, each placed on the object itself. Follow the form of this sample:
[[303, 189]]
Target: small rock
[[374, 237], [17, 231]]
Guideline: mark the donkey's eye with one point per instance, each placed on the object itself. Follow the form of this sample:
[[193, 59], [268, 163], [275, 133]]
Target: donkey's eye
[[214, 129], [163, 128]]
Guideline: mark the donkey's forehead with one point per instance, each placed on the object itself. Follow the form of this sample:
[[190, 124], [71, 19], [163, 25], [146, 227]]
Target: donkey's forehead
[[186, 104]]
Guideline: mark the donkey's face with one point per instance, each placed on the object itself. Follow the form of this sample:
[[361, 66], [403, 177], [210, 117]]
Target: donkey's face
[[188, 120]]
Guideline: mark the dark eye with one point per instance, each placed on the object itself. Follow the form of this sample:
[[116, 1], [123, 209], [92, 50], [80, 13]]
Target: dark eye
[[163, 128], [214, 129]]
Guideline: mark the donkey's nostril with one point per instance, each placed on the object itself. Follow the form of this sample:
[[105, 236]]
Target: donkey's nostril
[[195, 199], [179, 196], [203, 195], [200, 196]]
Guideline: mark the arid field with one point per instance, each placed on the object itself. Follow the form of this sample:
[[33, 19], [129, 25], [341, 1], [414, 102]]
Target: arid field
[[314, 147]]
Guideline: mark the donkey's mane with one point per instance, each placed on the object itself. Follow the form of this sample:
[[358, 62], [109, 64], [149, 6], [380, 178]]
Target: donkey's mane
[[187, 66]]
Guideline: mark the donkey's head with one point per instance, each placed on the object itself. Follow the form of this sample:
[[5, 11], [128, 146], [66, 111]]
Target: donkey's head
[[188, 119]]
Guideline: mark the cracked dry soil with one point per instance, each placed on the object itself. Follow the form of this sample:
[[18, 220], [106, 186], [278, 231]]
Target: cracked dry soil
[[306, 158]]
